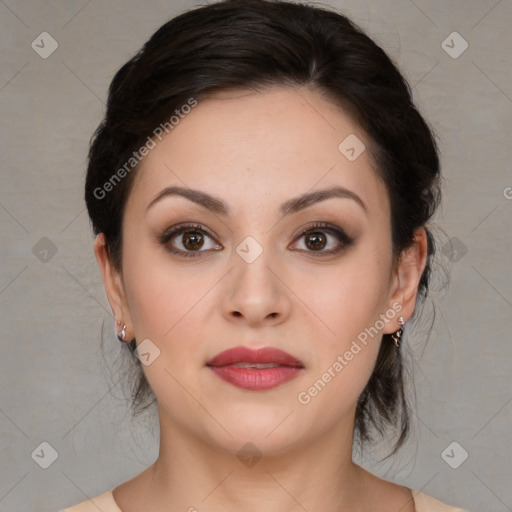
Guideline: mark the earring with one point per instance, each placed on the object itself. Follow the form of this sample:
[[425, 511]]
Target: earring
[[121, 337], [398, 334]]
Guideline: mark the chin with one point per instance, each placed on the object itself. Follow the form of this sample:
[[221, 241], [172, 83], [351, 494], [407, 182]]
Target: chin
[[247, 442], [271, 432]]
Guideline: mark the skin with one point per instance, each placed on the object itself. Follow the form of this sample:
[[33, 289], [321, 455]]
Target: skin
[[254, 151]]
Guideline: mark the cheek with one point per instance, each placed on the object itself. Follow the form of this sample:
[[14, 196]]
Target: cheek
[[167, 306], [163, 298], [346, 299], [332, 395], [348, 302], [345, 358]]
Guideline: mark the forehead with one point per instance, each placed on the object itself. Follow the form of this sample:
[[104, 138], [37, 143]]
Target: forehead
[[252, 148]]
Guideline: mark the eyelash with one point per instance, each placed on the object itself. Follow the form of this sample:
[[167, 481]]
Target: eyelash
[[171, 233]]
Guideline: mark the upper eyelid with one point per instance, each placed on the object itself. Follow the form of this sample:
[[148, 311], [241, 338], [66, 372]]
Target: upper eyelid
[[201, 227]]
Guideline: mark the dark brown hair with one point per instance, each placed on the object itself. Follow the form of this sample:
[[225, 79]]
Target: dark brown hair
[[252, 44]]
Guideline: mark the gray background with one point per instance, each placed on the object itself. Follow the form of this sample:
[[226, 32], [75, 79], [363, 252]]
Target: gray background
[[57, 387]]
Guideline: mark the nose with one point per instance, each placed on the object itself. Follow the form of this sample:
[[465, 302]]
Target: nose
[[256, 294]]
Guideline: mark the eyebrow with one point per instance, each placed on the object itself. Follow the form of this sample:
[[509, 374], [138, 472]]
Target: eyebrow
[[293, 205]]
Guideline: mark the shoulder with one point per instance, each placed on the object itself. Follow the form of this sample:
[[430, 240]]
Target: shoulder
[[104, 502], [425, 503]]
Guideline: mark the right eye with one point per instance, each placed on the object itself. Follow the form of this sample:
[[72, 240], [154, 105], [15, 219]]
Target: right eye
[[192, 240]]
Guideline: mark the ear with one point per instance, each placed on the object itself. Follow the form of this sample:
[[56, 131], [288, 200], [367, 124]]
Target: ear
[[112, 280], [406, 278]]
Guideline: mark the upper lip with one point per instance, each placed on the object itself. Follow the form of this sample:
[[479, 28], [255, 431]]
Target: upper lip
[[246, 355]]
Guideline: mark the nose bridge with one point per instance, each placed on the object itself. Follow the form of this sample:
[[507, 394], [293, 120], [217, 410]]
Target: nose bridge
[[255, 292], [251, 260]]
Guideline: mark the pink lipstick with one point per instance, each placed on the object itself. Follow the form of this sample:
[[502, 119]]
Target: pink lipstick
[[255, 370]]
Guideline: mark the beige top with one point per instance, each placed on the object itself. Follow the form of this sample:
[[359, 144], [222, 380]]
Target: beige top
[[105, 503]]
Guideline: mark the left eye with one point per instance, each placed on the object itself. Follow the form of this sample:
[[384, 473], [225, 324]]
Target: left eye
[[316, 239]]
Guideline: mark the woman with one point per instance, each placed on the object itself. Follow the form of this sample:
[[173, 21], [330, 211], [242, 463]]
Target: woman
[[260, 189]]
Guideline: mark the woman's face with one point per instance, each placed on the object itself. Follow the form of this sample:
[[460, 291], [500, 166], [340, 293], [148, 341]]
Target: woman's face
[[244, 274]]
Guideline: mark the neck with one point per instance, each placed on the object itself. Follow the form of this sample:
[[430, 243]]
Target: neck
[[192, 474]]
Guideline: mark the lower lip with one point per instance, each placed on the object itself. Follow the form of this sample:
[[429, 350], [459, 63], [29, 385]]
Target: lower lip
[[255, 379]]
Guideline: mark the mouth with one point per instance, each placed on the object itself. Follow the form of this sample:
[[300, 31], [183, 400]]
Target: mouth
[[255, 370]]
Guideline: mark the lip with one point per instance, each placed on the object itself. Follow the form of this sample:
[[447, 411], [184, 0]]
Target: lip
[[247, 355], [255, 379]]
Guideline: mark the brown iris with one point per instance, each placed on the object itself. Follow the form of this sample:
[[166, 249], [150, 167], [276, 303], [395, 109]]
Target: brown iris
[[316, 240], [192, 240]]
